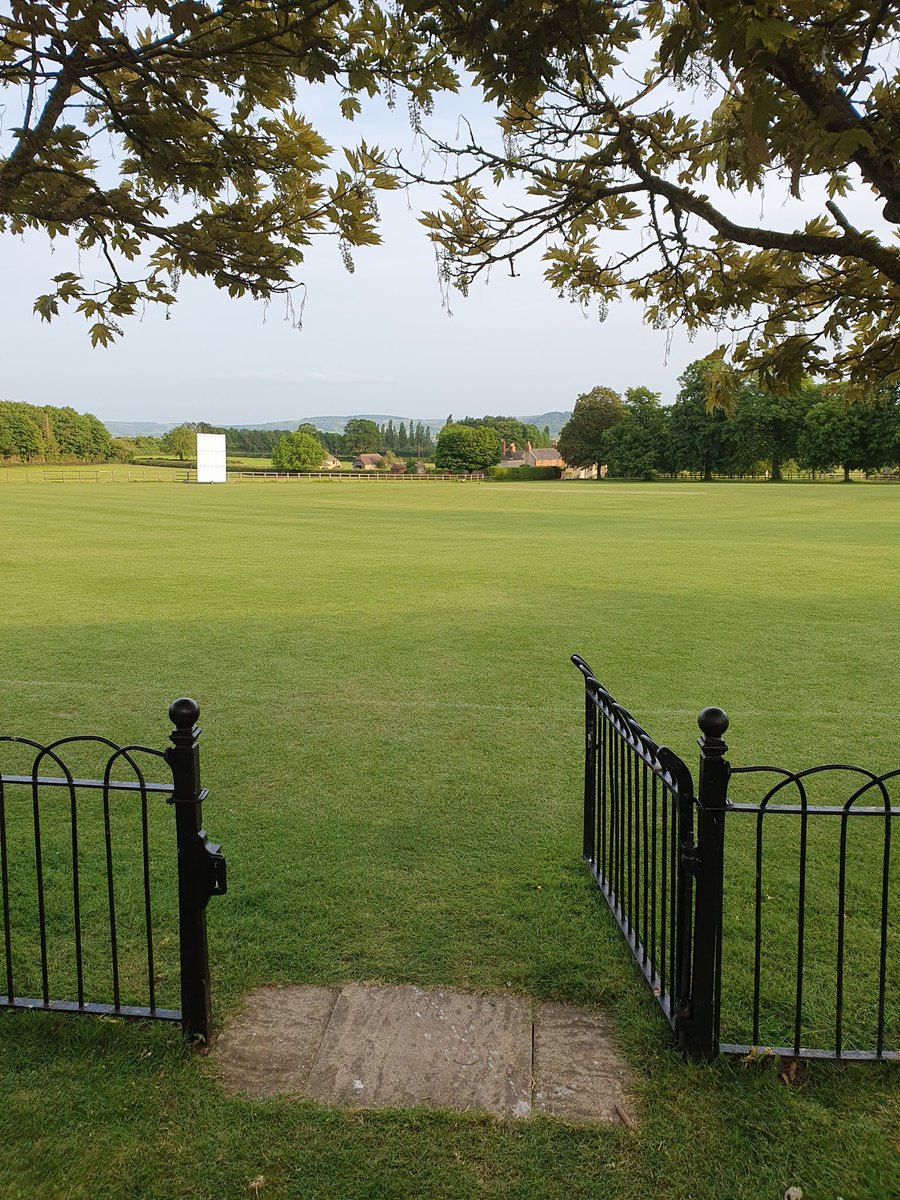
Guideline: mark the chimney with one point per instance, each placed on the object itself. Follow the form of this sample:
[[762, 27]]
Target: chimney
[[512, 447], [503, 447], [527, 447]]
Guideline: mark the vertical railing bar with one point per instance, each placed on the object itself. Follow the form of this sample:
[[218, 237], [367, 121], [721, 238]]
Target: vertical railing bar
[[628, 835], [654, 815], [110, 890], [673, 900], [622, 814], [76, 897], [39, 873], [882, 973], [801, 925], [148, 908], [613, 811], [590, 774], [4, 883], [842, 895], [638, 808], [601, 787], [757, 929], [664, 890], [647, 883]]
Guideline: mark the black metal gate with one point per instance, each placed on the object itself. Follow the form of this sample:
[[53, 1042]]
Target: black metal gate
[[657, 852], [78, 879]]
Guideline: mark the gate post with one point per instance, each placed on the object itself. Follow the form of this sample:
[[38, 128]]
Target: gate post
[[589, 836], [200, 869], [701, 1038]]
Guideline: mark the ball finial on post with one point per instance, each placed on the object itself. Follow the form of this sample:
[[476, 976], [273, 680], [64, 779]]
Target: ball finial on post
[[713, 722], [183, 713]]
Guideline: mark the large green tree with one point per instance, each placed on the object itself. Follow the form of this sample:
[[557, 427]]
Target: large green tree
[[863, 436], [166, 136], [467, 448], [362, 437], [637, 127], [636, 445], [581, 439], [298, 451], [696, 436]]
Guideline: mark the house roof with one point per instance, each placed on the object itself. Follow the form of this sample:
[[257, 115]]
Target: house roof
[[368, 458]]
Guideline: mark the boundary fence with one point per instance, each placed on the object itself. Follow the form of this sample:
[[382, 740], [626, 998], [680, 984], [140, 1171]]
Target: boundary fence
[[200, 873], [656, 850], [189, 475]]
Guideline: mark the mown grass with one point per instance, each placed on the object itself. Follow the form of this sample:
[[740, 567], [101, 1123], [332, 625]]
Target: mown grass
[[392, 744]]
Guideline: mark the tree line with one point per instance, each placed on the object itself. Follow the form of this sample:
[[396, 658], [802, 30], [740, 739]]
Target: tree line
[[755, 432], [32, 433]]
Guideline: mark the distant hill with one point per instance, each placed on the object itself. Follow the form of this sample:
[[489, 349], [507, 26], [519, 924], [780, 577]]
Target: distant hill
[[138, 428], [330, 424]]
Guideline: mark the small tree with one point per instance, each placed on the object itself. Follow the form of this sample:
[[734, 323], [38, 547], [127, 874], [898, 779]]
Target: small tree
[[467, 448], [581, 438], [181, 442], [298, 451]]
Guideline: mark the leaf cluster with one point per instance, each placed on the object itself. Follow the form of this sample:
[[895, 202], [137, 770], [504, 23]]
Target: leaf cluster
[[631, 168]]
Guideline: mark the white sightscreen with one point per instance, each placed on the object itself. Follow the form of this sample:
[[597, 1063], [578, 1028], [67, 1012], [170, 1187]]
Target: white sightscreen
[[211, 458]]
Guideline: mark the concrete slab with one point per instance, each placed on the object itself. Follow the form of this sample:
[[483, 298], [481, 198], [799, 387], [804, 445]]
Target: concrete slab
[[389, 1047], [270, 1047], [579, 1073], [374, 1046]]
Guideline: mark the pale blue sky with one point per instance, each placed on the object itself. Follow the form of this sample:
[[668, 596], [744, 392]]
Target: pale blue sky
[[375, 341]]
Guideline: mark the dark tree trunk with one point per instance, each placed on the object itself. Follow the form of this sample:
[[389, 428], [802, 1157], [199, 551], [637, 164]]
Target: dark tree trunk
[[847, 478], [776, 469]]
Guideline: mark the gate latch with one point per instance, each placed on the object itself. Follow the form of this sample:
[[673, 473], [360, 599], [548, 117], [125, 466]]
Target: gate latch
[[216, 875], [690, 859]]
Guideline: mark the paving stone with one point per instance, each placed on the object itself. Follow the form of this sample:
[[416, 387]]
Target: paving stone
[[579, 1072], [270, 1047], [403, 1046]]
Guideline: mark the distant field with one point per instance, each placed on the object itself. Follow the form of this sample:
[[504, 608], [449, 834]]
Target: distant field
[[392, 742]]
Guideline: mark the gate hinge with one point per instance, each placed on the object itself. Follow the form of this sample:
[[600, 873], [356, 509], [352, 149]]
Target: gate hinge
[[690, 859]]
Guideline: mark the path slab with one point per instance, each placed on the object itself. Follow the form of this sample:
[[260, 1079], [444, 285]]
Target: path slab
[[384, 1046], [391, 1047], [270, 1047], [579, 1073]]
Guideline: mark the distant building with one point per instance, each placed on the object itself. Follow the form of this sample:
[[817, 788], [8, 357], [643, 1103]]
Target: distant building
[[367, 462], [330, 463], [583, 472], [547, 456]]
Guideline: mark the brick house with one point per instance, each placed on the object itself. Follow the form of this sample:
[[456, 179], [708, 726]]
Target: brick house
[[529, 457]]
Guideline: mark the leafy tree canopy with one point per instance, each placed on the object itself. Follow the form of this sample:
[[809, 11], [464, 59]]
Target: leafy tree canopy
[[609, 140], [581, 439], [181, 441], [511, 429], [363, 437], [166, 136], [52, 434], [467, 448], [298, 451]]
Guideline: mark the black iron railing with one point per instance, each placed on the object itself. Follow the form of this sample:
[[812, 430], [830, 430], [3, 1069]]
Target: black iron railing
[[79, 881], [638, 809], [809, 915], [821, 915]]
